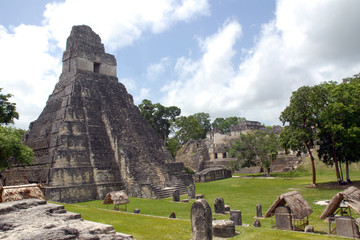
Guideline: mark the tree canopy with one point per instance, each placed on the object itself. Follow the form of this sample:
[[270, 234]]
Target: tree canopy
[[7, 109], [194, 127], [327, 114], [299, 135], [12, 150], [255, 148], [224, 124], [339, 128], [159, 117]]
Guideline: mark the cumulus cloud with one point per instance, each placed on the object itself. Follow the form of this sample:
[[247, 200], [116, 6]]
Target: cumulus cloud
[[29, 71], [200, 80], [144, 94], [305, 44], [129, 83], [31, 55], [120, 23], [157, 69]]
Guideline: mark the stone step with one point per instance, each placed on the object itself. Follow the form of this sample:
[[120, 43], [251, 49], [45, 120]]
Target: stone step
[[168, 192]]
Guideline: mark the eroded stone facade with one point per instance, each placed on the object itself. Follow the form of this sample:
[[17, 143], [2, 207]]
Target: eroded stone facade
[[212, 152], [90, 138]]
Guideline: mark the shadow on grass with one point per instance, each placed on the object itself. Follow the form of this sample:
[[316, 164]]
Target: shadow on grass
[[334, 185]]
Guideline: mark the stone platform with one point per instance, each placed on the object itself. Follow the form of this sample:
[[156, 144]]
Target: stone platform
[[34, 219]]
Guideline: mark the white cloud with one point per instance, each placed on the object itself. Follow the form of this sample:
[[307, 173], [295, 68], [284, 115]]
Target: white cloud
[[156, 69], [204, 84], [129, 83], [305, 44], [120, 23], [28, 70], [31, 63], [144, 94]]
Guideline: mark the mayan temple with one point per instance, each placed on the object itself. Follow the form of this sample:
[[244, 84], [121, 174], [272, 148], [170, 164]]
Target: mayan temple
[[90, 138]]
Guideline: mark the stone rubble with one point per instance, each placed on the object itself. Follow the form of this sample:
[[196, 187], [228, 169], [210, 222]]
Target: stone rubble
[[34, 219]]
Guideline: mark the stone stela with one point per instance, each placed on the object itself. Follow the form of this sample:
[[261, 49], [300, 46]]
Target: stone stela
[[201, 220], [219, 206]]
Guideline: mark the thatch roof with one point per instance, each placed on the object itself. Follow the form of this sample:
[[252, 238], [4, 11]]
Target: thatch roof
[[117, 198], [15, 193], [351, 195], [298, 206]]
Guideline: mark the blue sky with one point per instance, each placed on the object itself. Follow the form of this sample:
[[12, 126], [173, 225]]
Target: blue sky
[[224, 57]]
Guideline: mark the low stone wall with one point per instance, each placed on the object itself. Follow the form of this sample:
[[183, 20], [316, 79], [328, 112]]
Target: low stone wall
[[212, 174], [70, 194]]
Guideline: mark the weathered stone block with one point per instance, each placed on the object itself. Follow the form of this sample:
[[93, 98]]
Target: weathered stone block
[[258, 210], [219, 206], [223, 228], [256, 223], [227, 208], [34, 219], [176, 196], [235, 216], [172, 215], [201, 220], [283, 218], [347, 227], [191, 191]]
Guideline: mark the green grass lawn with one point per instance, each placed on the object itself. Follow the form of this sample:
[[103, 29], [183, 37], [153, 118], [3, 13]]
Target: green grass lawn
[[240, 192]]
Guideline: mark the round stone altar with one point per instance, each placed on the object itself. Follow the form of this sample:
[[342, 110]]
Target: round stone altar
[[223, 228]]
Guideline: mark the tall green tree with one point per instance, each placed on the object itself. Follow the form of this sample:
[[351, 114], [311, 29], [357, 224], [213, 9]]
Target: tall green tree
[[299, 135], [339, 131], [7, 109], [159, 117], [224, 124]]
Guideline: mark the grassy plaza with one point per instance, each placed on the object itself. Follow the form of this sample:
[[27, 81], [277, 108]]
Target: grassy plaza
[[241, 192]]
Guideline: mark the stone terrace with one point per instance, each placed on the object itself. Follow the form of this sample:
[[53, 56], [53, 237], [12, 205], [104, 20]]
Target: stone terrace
[[35, 219]]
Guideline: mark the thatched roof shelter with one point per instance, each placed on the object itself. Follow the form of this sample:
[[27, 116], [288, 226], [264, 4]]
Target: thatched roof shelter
[[351, 195], [15, 193], [117, 198], [299, 208]]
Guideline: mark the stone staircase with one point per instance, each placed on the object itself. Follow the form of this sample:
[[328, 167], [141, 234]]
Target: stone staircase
[[285, 163], [168, 191]]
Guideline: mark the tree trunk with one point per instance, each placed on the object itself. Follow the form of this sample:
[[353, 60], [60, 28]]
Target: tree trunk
[[335, 161], [348, 181], [341, 173], [312, 164]]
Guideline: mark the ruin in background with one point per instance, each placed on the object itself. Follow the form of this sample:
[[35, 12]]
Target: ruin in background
[[212, 152]]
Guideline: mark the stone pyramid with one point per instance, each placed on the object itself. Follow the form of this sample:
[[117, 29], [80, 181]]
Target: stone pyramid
[[90, 138]]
